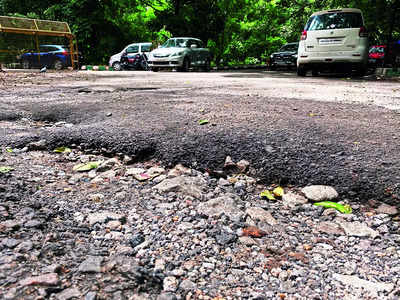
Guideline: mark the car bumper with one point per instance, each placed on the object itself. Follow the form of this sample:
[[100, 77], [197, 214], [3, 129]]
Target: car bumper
[[165, 62], [331, 58]]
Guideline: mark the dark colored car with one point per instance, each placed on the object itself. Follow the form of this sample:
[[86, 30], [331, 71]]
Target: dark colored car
[[378, 53], [286, 57], [50, 56]]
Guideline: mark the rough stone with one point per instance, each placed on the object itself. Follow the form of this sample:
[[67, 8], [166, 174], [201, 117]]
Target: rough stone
[[91, 265], [292, 200], [356, 282], [329, 228], [187, 185], [222, 205], [260, 214], [358, 229], [319, 192], [69, 293], [45, 279], [387, 209], [102, 217], [170, 284]]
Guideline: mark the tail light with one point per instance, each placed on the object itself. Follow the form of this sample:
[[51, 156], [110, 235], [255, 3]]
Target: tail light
[[363, 32], [65, 53], [303, 35]]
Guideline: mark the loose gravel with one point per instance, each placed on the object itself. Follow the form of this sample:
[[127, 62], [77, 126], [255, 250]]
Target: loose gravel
[[142, 231]]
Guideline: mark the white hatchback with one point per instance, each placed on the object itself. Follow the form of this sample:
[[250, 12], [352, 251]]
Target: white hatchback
[[333, 38]]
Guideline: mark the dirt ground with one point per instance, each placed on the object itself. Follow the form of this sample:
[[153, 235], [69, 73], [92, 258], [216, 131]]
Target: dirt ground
[[315, 130]]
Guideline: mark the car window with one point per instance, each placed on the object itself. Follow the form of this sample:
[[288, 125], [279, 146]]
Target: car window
[[335, 20], [132, 49], [182, 43], [168, 44], [197, 43], [146, 48], [292, 47], [43, 49]]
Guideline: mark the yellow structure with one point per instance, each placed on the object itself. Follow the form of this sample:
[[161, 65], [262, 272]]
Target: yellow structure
[[36, 28]]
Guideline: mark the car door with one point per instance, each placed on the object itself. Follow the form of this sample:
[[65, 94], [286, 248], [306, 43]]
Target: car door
[[195, 47], [43, 57]]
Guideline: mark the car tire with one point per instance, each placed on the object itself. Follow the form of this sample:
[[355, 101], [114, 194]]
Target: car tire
[[58, 65], [155, 69], [301, 71], [185, 65], [361, 70], [207, 65], [26, 64], [314, 72], [272, 68], [117, 66]]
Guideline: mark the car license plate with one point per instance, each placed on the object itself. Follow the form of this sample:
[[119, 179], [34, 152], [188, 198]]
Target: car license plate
[[333, 41]]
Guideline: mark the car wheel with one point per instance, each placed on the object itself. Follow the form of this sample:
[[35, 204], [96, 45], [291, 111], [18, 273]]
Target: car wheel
[[26, 64], [301, 71], [273, 68], [58, 64], [185, 65], [155, 69], [117, 66], [361, 70], [207, 65], [314, 72]]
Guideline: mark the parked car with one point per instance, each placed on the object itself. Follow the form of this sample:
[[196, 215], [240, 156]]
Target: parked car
[[136, 62], [50, 56], [333, 38], [182, 53], [285, 57], [130, 51], [380, 55]]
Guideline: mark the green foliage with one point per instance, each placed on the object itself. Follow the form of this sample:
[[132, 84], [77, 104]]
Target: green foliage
[[245, 31]]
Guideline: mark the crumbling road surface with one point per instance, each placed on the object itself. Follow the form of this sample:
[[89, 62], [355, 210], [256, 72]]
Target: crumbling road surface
[[329, 130]]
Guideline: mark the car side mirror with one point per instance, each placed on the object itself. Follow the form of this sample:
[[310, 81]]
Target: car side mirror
[[193, 46]]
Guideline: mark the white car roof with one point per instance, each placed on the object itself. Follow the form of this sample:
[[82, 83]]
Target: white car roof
[[356, 10]]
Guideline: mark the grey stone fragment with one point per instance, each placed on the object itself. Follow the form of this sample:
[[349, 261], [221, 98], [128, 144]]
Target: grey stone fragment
[[191, 186], [187, 285], [329, 228], [355, 282], [222, 205], [170, 284], [387, 209], [91, 265], [91, 296], [358, 229], [319, 192], [107, 165], [291, 199], [69, 293], [166, 296], [102, 217], [260, 214]]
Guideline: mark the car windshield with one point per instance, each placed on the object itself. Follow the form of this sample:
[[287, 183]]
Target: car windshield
[[180, 43], [291, 48], [335, 20]]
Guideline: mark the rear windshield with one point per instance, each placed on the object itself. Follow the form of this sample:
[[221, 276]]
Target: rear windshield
[[289, 47], [335, 20]]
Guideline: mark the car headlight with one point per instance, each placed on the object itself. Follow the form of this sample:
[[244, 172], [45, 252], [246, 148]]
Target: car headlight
[[295, 56], [271, 56], [180, 53]]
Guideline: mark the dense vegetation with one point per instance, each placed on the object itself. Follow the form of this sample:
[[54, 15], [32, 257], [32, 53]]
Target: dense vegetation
[[235, 30]]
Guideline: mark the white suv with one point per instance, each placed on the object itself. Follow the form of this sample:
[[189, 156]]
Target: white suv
[[331, 38]]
